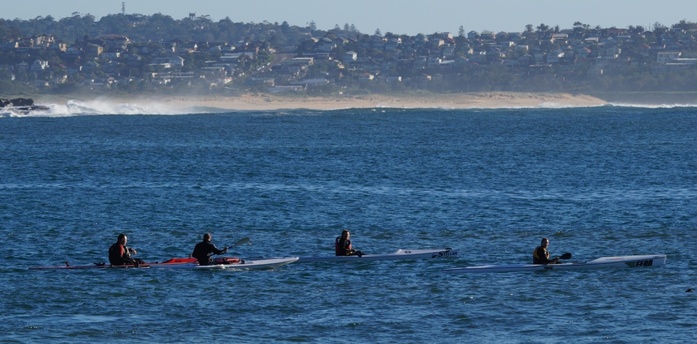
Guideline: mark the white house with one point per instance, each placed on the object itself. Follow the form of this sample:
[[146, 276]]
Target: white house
[[39, 65]]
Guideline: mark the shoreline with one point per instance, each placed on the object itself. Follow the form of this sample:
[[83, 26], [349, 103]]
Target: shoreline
[[270, 102], [447, 101]]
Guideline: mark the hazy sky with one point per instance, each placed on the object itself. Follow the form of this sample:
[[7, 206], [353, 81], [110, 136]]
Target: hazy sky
[[396, 16]]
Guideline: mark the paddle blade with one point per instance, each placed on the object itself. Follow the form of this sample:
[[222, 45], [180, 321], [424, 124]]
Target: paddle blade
[[241, 242], [566, 255]]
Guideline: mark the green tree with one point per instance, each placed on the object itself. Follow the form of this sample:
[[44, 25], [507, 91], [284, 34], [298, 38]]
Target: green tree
[[542, 28]]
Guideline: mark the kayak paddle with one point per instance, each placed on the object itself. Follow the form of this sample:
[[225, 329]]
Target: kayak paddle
[[240, 242], [566, 255]]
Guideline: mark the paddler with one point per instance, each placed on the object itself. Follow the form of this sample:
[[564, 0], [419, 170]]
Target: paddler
[[120, 254], [343, 247], [205, 249], [541, 255]]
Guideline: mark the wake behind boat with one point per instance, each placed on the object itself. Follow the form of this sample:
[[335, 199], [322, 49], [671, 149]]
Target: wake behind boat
[[399, 254], [185, 263], [599, 263]]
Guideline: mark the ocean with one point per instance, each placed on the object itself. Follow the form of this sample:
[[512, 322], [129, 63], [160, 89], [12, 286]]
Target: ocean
[[600, 181]]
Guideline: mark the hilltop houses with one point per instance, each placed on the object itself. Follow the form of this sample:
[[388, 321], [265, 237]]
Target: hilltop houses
[[339, 60]]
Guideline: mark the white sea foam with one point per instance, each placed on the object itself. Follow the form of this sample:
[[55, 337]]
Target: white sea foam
[[104, 107], [653, 106]]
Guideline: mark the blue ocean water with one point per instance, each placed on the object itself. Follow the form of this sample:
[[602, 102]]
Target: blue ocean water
[[599, 181]]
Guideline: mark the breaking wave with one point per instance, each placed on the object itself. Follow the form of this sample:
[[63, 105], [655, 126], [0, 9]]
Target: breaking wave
[[102, 107], [654, 106]]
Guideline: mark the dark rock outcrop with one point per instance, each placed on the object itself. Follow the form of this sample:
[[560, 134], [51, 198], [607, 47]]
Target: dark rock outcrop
[[20, 104]]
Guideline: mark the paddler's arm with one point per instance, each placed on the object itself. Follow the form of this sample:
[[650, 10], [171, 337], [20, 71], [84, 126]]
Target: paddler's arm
[[216, 250]]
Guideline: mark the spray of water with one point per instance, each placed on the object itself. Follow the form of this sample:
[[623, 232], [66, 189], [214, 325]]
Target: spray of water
[[105, 107]]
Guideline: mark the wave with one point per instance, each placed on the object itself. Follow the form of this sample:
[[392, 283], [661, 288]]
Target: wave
[[652, 106], [110, 107], [102, 107]]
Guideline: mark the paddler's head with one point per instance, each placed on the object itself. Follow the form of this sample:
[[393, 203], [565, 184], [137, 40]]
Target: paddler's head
[[123, 239], [207, 237], [544, 243]]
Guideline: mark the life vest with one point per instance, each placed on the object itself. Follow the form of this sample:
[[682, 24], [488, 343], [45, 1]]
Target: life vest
[[119, 255], [536, 259], [342, 248]]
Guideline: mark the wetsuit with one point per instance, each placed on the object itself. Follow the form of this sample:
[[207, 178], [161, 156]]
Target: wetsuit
[[344, 248], [119, 255], [541, 256], [204, 250]]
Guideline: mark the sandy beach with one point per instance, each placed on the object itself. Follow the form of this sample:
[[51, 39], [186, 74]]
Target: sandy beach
[[446, 101], [268, 102]]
